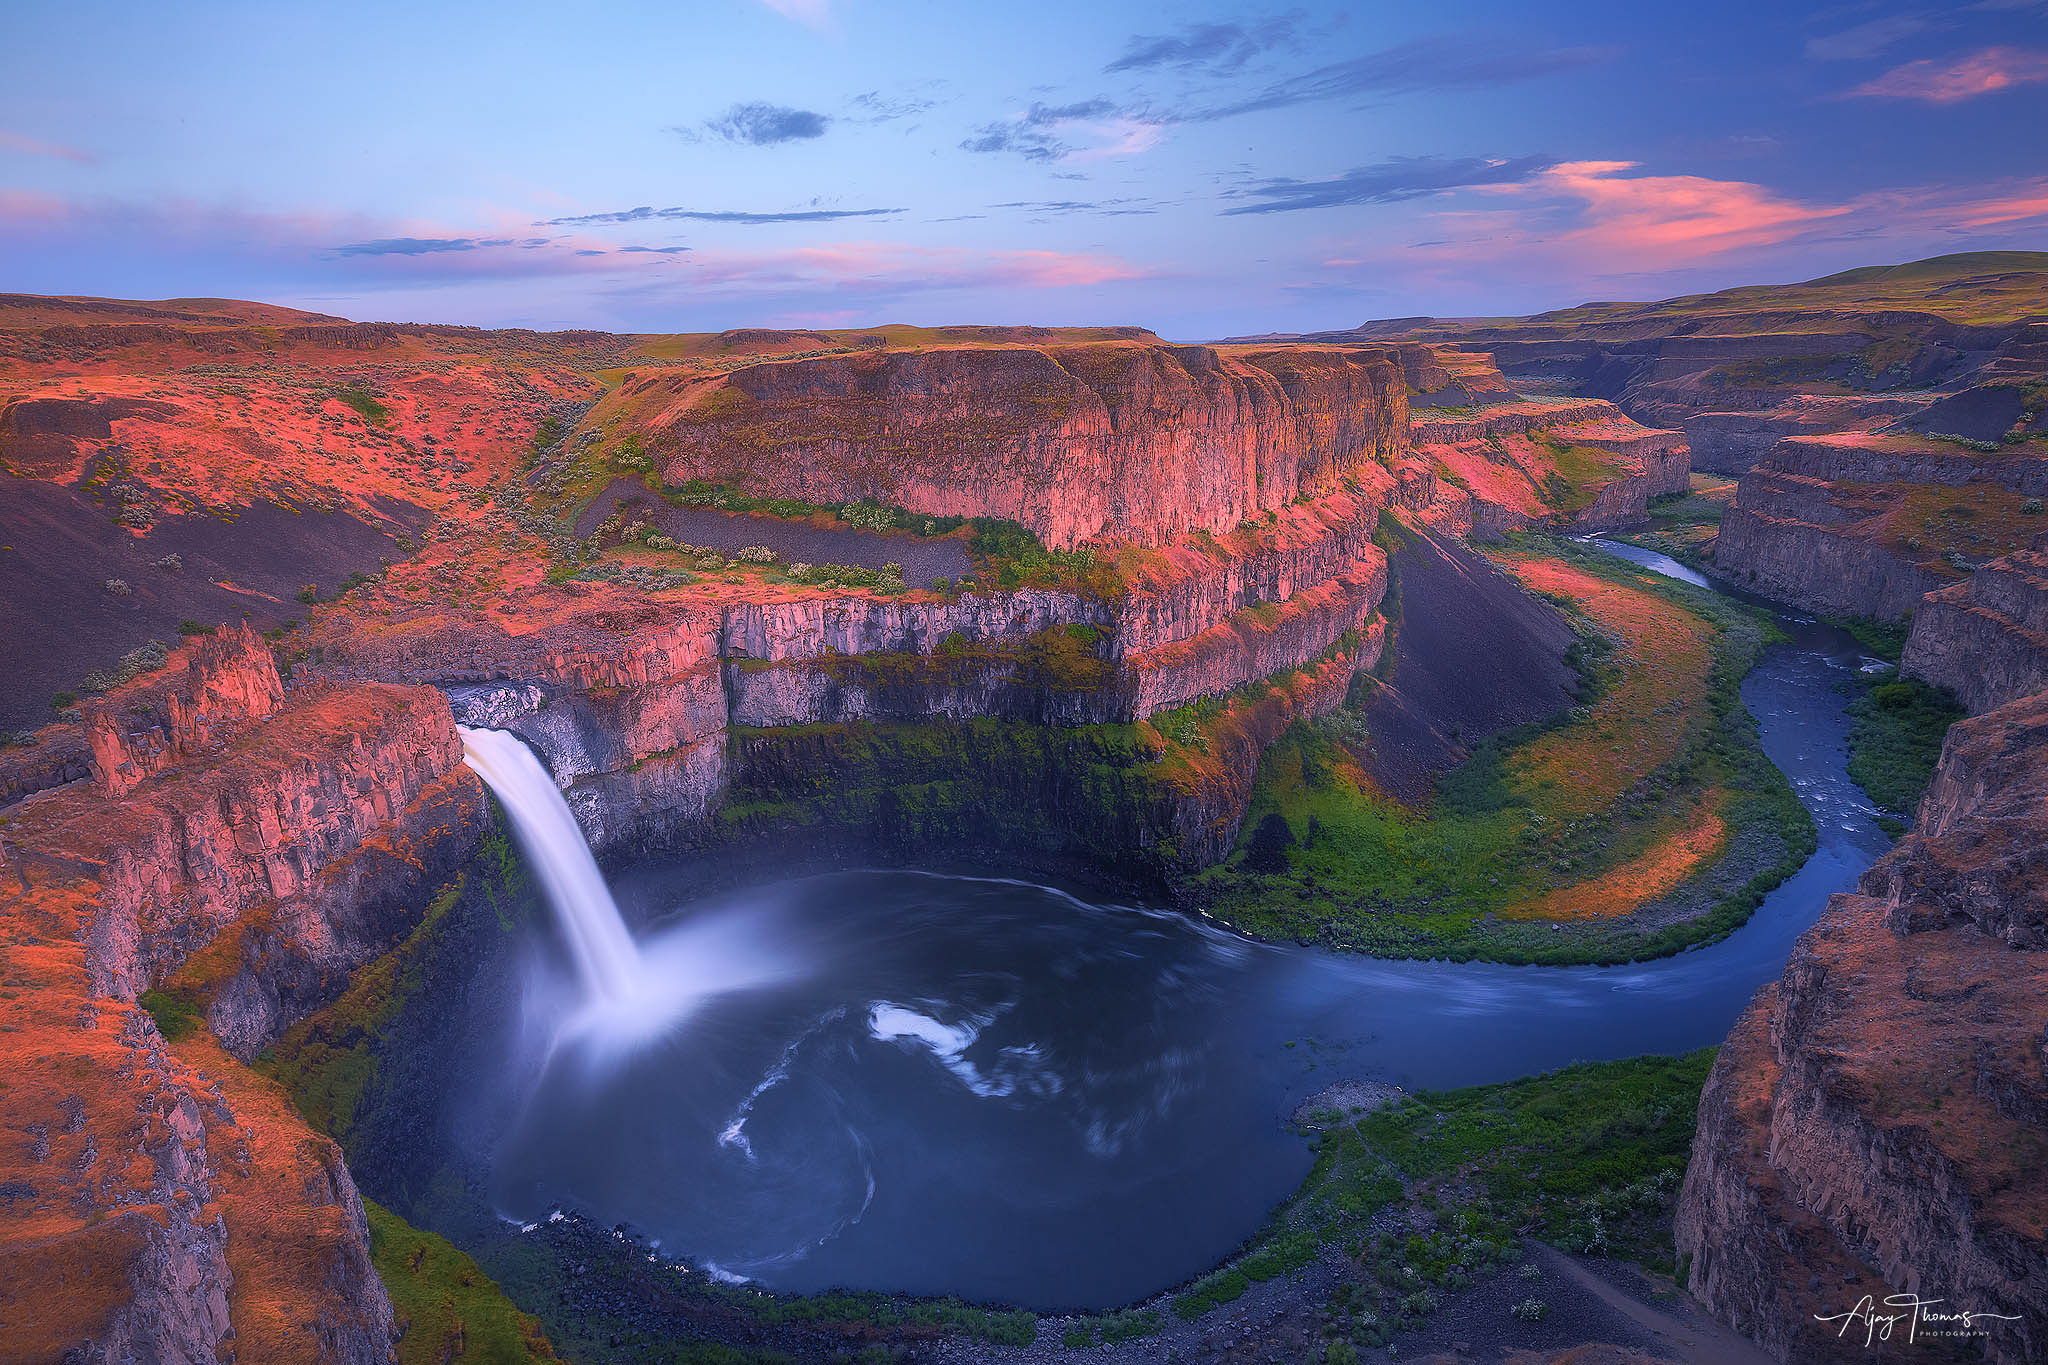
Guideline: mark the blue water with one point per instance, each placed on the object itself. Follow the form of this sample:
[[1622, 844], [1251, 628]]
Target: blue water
[[993, 1089]]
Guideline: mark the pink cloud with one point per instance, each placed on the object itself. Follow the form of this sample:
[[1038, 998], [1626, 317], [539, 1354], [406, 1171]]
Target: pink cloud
[[203, 246], [1952, 80], [1672, 217], [1595, 221], [35, 146]]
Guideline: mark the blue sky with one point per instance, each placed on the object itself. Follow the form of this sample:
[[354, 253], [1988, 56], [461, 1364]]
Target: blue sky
[[1202, 170]]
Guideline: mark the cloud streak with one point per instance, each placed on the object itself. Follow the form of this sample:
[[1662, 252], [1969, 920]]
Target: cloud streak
[[1955, 79], [648, 214], [1087, 130], [35, 146], [1387, 182], [1444, 62], [1215, 48]]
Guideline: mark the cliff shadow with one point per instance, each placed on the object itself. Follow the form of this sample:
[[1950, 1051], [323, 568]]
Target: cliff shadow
[[1471, 653]]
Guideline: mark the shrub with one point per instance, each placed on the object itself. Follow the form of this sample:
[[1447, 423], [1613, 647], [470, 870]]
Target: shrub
[[310, 594], [63, 701], [1966, 442], [118, 587], [1530, 1310], [2031, 507], [169, 564], [868, 516], [190, 627], [757, 554]]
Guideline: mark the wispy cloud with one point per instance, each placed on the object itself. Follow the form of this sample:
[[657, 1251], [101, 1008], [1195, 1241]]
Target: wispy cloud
[[1865, 40], [648, 214], [894, 268], [1605, 220], [1954, 79], [424, 246], [1087, 130], [1662, 216], [1386, 182], [1211, 47], [35, 146], [1443, 62], [1105, 208], [756, 124], [872, 106]]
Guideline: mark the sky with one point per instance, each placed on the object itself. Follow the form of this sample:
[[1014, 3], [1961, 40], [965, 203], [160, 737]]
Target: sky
[[1203, 170]]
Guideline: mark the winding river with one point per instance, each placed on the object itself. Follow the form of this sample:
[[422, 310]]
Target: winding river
[[993, 1089]]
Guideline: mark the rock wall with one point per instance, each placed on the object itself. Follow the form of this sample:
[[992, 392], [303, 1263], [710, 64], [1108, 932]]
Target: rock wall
[[1126, 442], [1873, 1125], [1734, 442], [1985, 639], [1817, 566], [275, 842]]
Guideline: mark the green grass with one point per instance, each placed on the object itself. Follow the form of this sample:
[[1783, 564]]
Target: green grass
[[366, 406], [1436, 1190], [176, 1015], [1365, 873], [449, 1309], [1896, 726], [1578, 477]]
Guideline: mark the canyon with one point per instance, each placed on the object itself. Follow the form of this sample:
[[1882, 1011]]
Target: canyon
[[1175, 554]]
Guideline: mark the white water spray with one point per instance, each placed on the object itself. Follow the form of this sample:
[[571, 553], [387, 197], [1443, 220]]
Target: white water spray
[[605, 955]]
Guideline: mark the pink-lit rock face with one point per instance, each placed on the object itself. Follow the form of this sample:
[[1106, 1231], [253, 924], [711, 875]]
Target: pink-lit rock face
[[1872, 1124], [1128, 442], [230, 678]]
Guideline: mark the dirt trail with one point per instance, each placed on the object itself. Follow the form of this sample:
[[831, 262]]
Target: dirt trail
[[1699, 1342]]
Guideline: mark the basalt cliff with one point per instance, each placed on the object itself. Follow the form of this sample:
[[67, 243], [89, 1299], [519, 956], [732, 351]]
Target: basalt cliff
[[1161, 556], [778, 596]]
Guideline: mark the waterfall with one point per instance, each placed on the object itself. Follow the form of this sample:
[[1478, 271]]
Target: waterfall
[[554, 845]]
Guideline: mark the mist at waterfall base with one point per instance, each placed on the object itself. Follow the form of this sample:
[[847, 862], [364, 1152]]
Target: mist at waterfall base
[[900, 1081]]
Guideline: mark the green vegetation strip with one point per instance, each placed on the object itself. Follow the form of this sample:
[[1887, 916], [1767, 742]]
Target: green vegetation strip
[[1431, 1192], [1896, 726], [1322, 858], [447, 1309]]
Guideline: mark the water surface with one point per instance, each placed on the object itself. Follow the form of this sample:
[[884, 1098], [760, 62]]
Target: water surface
[[997, 1090]]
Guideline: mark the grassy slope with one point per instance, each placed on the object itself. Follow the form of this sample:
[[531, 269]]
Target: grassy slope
[[1434, 1191], [1665, 746], [447, 1308]]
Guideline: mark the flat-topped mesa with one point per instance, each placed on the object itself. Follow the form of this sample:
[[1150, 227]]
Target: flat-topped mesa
[[1125, 442], [231, 678]]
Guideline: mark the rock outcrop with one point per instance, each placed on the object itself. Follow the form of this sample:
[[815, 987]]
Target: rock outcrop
[[1863, 525], [1985, 639], [1129, 442], [242, 854], [1873, 1126]]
